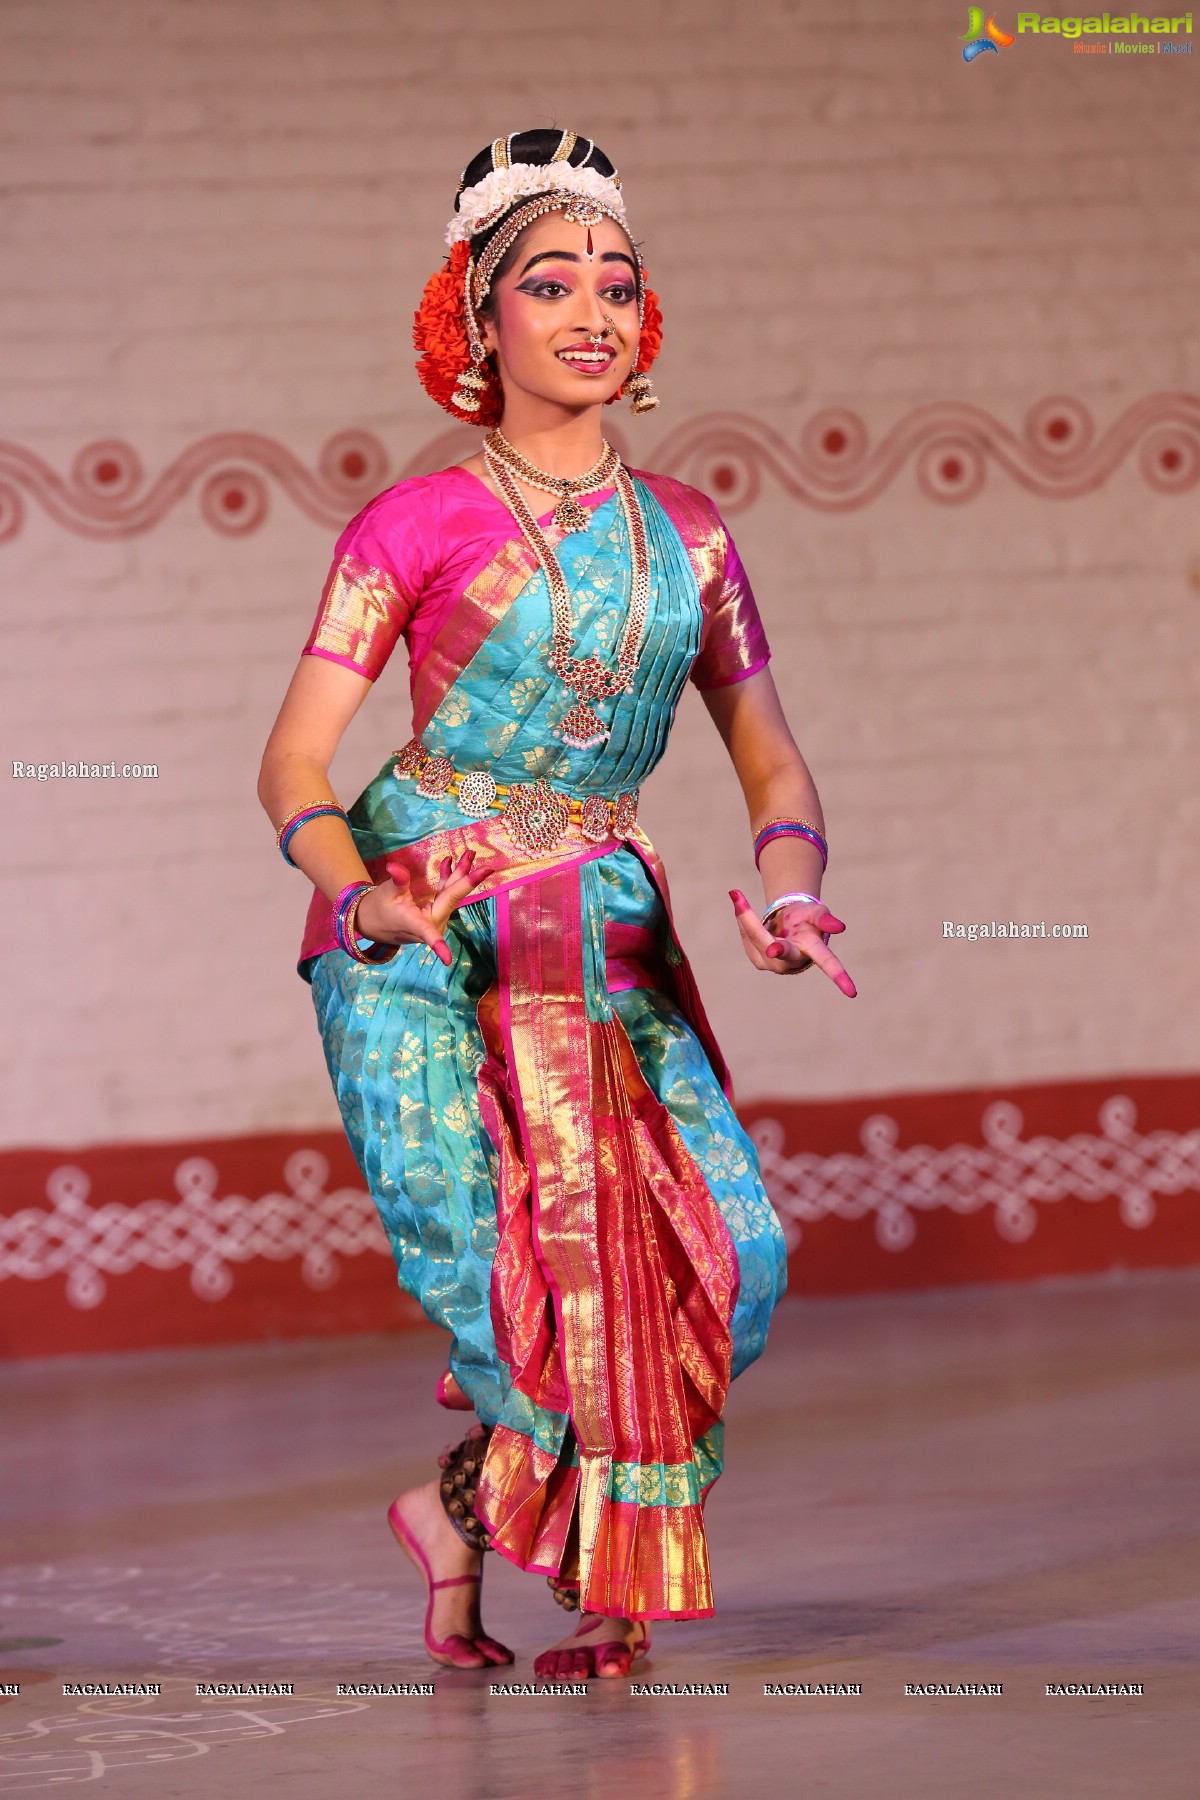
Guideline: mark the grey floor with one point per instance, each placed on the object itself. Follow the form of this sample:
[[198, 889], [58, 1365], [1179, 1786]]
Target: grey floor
[[987, 1485]]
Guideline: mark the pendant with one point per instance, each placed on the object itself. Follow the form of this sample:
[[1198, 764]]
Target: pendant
[[476, 793], [589, 677], [594, 818], [582, 727], [582, 211], [411, 760], [569, 515], [435, 777], [624, 814], [536, 817]]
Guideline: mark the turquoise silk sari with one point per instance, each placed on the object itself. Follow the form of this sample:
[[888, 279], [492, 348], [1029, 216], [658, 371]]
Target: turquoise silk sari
[[545, 1124]]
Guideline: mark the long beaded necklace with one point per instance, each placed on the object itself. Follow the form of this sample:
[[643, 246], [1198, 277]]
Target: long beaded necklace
[[568, 514], [581, 725]]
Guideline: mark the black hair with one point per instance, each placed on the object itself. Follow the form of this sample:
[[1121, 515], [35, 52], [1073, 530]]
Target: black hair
[[537, 147]]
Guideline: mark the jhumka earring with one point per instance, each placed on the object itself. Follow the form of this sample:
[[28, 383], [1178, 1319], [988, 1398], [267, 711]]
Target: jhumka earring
[[469, 387], [471, 383], [640, 388], [642, 397]]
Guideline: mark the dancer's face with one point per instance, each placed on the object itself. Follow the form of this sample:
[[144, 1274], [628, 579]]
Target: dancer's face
[[552, 300]]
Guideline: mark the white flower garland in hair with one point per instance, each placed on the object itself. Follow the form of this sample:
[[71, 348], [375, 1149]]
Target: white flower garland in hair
[[496, 193]]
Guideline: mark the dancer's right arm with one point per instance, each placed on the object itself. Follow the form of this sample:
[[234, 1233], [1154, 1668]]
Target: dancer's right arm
[[321, 700]]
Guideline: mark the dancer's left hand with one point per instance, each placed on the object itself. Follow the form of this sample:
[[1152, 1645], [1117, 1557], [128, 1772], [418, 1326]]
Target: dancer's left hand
[[796, 942]]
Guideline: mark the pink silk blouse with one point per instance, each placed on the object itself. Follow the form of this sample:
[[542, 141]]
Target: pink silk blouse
[[404, 561]]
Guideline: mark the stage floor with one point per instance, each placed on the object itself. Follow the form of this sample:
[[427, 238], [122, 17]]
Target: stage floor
[[992, 1486]]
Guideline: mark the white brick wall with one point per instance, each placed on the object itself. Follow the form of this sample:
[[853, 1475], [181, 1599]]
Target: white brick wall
[[219, 217]]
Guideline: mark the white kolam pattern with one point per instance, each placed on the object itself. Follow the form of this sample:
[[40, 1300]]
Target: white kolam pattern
[[203, 1230], [1009, 1174], [208, 1232]]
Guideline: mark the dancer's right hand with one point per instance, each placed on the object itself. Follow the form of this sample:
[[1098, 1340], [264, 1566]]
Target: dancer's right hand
[[390, 913]]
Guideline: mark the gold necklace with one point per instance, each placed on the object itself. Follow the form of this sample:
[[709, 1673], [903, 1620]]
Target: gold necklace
[[568, 514], [581, 725]]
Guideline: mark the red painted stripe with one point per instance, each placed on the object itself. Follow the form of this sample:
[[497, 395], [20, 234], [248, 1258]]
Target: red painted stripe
[[1122, 1153]]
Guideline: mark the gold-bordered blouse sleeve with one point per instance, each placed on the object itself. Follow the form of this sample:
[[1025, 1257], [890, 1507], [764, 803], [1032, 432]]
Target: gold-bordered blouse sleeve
[[734, 640], [360, 618]]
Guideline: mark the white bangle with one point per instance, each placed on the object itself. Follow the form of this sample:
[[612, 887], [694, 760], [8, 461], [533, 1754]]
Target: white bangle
[[786, 900]]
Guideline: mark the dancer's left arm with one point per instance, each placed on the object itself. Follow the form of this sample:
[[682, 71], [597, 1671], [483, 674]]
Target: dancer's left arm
[[776, 783]]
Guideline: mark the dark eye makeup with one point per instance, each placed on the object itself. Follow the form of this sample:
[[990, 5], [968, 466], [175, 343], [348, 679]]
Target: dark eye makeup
[[551, 287]]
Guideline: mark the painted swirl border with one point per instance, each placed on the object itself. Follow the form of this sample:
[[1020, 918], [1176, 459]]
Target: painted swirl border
[[950, 445]]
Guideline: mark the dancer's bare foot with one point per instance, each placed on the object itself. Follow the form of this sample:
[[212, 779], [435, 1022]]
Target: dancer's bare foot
[[455, 1609], [597, 1646]]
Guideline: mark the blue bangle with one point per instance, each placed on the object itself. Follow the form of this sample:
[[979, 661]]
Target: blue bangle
[[345, 900], [791, 828], [328, 808]]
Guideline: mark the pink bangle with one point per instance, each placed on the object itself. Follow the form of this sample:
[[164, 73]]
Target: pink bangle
[[802, 828]]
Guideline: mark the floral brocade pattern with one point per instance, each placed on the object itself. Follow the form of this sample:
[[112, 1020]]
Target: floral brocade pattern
[[508, 703], [404, 1049]]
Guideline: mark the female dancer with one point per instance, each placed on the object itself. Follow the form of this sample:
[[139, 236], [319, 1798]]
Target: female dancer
[[520, 1055]]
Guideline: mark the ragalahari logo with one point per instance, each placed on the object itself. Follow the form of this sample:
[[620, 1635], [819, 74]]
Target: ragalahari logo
[[983, 37]]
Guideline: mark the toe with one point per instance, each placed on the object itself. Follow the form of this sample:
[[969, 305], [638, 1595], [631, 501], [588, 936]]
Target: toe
[[493, 1649], [464, 1653]]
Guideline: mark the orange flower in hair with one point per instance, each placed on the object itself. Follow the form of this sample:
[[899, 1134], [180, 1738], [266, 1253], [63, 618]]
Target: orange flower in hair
[[440, 334]]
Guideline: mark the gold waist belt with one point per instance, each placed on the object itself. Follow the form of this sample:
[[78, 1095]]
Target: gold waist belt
[[535, 815]]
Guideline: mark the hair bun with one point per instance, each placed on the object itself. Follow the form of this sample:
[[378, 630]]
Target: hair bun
[[541, 146]]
